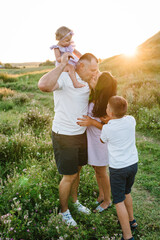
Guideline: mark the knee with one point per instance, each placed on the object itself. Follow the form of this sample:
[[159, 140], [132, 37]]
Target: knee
[[70, 178]]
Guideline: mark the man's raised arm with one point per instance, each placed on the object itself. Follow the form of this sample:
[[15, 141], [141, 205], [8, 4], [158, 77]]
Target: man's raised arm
[[48, 82]]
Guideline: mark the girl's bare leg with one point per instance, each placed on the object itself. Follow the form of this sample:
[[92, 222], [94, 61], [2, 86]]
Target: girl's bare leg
[[71, 71]]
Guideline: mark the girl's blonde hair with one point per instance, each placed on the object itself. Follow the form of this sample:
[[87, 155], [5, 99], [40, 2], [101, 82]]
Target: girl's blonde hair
[[61, 32]]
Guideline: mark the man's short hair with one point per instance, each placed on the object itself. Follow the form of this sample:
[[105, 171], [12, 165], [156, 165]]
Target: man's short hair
[[88, 57], [118, 106]]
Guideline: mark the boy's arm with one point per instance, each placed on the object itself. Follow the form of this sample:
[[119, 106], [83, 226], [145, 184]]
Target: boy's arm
[[77, 53], [105, 119], [48, 82], [57, 55], [103, 137], [87, 121]]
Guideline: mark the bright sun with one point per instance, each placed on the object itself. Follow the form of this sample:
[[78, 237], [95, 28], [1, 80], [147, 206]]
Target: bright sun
[[130, 52]]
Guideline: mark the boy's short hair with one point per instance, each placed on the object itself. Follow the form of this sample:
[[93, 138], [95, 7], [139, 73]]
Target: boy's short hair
[[118, 106]]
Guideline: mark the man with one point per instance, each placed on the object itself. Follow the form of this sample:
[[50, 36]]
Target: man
[[69, 139]]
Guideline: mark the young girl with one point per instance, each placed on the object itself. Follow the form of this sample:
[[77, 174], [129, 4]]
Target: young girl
[[64, 37]]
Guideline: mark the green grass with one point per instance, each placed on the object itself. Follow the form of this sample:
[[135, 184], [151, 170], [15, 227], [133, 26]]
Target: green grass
[[29, 185]]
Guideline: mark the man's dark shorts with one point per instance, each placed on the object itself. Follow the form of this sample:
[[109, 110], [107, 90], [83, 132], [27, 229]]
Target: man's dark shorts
[[121, 181], [70, 152]]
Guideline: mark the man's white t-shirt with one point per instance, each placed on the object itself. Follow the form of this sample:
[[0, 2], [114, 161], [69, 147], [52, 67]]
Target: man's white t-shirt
[[69, 104], [120, 136]]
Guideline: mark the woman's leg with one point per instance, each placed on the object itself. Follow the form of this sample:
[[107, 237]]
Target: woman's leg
[[101, 194], [104, 183]]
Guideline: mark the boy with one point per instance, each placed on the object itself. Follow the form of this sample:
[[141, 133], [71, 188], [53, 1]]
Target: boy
[[119, 132]]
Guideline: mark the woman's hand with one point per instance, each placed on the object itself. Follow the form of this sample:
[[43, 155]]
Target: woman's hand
[[85, 121]]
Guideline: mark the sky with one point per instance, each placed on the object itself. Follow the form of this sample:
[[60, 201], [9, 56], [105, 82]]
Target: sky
[[102, 27]]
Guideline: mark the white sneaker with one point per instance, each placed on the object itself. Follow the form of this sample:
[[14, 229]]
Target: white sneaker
[[82, 208], [67, 218]]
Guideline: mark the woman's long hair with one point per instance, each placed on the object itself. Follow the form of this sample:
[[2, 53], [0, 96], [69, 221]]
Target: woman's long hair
[[106, 87]]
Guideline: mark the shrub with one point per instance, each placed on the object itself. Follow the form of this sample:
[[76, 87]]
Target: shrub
[[5, 92], [8, 66], [7, 78], [31, 197], [36, 120], [142, 93], [47, 63], [7, 128], [149, 119], [24, 145], [6, 105], [19, 98]]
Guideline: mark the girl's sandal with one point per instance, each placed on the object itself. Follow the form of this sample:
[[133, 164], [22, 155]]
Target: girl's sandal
[[133, 225]]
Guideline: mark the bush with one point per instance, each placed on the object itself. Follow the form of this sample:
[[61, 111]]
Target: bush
[[24, 145], [6, 105], [7, 78], [7, 128], [142, 93], [5, 92], [19, 98], [31, 198], [38, 121], [47, 63], [8, 66], [149, 119]]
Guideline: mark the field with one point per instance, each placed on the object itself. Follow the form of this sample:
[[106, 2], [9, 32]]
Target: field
[[29, 179]]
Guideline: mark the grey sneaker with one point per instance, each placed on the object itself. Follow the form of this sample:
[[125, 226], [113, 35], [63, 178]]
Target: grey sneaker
[[67, 218], [82, 208]]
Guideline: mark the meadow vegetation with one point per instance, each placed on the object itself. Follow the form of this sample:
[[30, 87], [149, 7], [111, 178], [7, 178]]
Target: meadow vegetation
[[29, 182]]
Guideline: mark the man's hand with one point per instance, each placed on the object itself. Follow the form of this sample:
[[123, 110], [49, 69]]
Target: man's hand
[[85, 121], [48, 82], [65, 58]]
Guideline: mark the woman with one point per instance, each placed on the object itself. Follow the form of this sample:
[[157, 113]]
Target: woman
[[102, 90]]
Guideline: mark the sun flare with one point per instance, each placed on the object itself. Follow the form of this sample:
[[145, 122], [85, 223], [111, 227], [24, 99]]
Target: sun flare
[[130, 52]]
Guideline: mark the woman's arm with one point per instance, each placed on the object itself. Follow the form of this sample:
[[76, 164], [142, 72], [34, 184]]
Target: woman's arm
[[87, 121], [78, 54]]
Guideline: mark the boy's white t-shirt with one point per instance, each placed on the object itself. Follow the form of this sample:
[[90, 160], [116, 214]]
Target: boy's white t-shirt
[[70, 103], [120, 136]]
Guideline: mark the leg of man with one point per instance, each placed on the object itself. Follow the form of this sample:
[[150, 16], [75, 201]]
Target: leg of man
[[124, 220], [75, 185], [65, 189]]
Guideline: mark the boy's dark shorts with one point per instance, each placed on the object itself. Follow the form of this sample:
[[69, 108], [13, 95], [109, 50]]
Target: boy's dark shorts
[[121, 181], [70, 152]]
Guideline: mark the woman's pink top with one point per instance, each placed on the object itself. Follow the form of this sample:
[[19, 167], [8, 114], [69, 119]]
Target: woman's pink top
[[97, 151]]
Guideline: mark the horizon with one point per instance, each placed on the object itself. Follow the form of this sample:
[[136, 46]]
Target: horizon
[[110, 29]]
